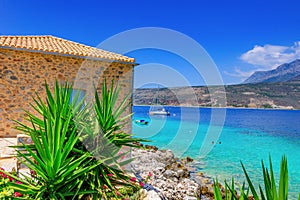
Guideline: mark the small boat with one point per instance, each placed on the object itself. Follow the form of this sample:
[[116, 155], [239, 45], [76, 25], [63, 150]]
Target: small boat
[[141, 122], [160, 111]]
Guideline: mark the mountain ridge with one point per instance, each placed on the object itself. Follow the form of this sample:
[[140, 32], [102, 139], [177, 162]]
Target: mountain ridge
[[282, 73], [278, 88]]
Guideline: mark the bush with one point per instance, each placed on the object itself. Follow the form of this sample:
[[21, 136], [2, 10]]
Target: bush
[[75, 156], [269, 192]]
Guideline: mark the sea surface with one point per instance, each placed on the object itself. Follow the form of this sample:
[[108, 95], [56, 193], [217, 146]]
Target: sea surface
[[219, 146]]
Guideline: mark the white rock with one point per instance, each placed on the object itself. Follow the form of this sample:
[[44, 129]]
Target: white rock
[[152, 195], [189, 198], [175, 179], [169, 173], [180, 173], [170, 182], [159, 170]]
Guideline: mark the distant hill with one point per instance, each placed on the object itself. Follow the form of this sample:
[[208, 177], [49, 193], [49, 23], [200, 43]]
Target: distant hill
[[285, 95], [282, 73], [278, 88], [297, 78]]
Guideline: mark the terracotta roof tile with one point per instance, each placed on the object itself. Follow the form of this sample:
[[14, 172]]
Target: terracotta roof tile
[[59, 45]]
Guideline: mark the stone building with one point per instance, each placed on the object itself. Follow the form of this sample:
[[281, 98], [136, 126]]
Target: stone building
[[26, 62]]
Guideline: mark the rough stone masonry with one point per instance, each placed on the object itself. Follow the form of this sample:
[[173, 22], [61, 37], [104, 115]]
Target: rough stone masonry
[[22, 73]]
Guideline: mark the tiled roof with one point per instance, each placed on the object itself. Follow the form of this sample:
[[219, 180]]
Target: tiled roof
[[60, 46]]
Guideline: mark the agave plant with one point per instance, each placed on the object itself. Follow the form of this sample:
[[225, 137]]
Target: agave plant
[[111, 118], [76, 146], [270, 191], [109, 142], [56, 170], [229, 191]]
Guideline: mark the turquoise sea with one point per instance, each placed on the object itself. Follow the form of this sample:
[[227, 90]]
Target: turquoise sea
[[248, 135]]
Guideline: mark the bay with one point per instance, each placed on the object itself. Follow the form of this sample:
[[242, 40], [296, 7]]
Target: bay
[[218, 146]]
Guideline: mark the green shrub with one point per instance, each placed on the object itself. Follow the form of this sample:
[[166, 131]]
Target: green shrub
[[269, 192], [56, 170], [75, 156], [110, 141]]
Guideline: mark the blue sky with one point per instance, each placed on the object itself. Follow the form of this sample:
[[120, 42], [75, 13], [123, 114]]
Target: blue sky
[[240, 36]]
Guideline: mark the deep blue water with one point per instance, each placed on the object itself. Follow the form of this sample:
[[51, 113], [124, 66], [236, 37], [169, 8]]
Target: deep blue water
[[247, 135]]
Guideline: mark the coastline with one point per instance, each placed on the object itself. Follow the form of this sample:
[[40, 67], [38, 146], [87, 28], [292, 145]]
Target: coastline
[[248, 126], [173, 178], [245, 108]]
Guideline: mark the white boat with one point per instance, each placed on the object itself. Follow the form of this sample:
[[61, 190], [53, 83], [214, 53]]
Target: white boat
[[160, 111]]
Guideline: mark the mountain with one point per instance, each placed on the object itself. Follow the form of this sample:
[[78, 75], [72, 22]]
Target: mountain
[[284, 95], [295, 79], [282, 73], [278, 88]]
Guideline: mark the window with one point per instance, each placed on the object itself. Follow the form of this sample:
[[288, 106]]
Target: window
[[77, 95]]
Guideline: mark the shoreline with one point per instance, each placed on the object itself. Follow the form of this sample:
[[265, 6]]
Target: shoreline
[[245, 108], [173, 178]]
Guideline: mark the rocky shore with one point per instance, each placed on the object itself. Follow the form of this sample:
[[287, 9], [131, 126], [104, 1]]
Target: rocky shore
[[171, 178]]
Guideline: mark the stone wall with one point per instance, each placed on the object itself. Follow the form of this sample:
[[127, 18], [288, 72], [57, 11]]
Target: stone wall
[[23, 73]]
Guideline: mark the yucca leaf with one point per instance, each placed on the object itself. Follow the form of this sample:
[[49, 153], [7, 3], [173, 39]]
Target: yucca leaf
[[243, 194], [268, 184], [262, 194], [283, 182], [31, 165], [254, 193], [217, 192], [231, 190]]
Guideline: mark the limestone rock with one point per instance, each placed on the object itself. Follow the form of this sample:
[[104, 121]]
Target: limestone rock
[[152, 195], [171, 176], [189, 198]]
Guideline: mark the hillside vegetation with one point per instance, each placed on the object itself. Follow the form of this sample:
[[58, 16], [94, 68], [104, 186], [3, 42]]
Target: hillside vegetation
[[285, 95]]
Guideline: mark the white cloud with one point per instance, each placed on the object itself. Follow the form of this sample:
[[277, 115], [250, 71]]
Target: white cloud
[[267, 57], [270, 56]]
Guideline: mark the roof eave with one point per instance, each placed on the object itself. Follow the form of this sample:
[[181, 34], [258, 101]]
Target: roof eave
[[69, 55]]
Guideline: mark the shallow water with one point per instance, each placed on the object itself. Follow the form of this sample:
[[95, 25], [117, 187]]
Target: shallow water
[[248, 135]]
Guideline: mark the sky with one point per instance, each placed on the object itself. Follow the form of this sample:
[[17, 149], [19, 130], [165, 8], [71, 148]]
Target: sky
[[240, 37]]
